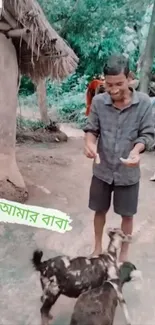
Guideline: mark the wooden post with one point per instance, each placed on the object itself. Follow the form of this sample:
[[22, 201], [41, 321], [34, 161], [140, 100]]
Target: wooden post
[[41, 93]]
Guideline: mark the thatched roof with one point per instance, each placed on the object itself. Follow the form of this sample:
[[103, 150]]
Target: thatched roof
[[40, 50]]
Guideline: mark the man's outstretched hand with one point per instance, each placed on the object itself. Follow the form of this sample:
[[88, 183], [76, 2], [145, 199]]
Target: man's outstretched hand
[[133, 159]]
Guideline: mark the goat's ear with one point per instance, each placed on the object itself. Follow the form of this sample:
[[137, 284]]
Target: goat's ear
[[137, 275]]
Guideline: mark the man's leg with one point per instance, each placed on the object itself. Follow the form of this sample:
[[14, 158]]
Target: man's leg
[[99, 222], [127, 227], [99, 201], [125, 204]]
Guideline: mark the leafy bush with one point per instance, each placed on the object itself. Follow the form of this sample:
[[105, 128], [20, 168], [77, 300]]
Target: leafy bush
[[71, 108], [29, 124], [26, 87], [68, 98]]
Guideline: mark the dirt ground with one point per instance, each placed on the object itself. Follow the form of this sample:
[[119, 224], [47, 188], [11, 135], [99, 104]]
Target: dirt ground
[[58, 176]]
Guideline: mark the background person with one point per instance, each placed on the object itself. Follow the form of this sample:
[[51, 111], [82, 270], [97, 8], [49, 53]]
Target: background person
[[93, 86]]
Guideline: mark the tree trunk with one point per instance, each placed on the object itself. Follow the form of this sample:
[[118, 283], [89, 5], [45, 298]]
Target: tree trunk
[[12, 186], [148, 55], [41, 93]]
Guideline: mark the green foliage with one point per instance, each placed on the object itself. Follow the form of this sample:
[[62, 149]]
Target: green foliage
[[91, 27], [72, 108], [29, 101], [69, 99], [69, 104], [29, 124], [72, 84], [26, 87]]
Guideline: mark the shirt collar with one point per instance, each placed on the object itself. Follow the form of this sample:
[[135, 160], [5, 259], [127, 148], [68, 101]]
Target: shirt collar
[[135, 98]]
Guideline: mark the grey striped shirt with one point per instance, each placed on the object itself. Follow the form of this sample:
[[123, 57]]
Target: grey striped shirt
[[118, 131]]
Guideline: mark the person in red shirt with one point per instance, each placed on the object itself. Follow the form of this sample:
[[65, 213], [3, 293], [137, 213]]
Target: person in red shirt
[[93, 88]]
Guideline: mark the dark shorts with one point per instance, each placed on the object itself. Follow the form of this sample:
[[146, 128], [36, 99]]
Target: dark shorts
[[125, 198]]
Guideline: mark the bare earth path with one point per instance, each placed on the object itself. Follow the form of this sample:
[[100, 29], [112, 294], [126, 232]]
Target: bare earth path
[[58, 176]]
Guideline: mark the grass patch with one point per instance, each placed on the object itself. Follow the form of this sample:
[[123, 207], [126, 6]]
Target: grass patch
[[25, 124]]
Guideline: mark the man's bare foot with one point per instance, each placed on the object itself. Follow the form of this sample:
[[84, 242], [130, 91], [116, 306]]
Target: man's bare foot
[[96, 252]]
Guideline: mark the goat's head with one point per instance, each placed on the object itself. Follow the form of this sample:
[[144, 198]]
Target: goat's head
[[116, 236], [128, 272], [114, 233]]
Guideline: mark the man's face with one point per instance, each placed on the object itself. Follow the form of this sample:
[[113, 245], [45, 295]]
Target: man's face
[[117, 86]]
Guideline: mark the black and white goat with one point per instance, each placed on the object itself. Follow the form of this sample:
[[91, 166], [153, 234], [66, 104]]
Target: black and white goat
[[71, 277], [97, 306]]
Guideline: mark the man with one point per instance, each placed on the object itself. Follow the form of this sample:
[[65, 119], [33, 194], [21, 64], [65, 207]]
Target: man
[[93, 87], [118, 129]]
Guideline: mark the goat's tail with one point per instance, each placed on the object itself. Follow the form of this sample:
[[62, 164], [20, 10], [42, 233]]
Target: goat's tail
[[36, 259]]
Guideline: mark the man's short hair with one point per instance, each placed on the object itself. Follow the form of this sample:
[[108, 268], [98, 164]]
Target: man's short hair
[[116, 64]]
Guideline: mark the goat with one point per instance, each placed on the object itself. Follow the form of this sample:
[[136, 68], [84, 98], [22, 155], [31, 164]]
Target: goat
[[71, 277], [97, 306]]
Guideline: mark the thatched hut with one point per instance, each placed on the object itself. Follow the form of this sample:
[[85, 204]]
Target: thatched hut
[[31, 47], [41, 52]]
